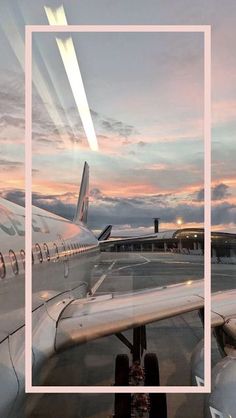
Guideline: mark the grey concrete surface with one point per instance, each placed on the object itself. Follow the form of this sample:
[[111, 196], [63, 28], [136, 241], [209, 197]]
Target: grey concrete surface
[[173, 340]]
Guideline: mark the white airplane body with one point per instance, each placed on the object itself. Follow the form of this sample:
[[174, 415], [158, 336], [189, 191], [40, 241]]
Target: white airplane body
[[63, 312]]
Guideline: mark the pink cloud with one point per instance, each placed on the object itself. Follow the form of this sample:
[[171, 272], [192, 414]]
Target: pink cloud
[[224, 111]]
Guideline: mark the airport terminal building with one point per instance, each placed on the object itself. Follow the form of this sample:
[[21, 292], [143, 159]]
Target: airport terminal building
[[185, 240]]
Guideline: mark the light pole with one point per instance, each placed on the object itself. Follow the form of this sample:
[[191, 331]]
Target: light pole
[[180, 222]]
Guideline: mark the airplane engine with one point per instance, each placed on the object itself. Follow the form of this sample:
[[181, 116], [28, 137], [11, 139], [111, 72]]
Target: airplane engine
[[221, 402]]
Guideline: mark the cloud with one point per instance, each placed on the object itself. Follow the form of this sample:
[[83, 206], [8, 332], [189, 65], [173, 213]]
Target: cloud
[[138, 214], [112, 126], [96, 193], [218, 192], [223, 111], [133, 212], [141, 143], [15, 196], [224, 213], [9, 163], [57, 204], [157, 167], [200, 195], [115, 127], [6, 120]]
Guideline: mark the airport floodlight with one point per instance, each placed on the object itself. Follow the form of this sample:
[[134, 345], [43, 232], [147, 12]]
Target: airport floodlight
[[179, 221], [69, 59]]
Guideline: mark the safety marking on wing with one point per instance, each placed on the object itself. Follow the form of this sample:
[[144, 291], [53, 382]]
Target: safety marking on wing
[[199, 380], [215, 413]]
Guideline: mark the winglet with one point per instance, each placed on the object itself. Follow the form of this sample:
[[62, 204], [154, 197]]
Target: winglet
[[81, 212]]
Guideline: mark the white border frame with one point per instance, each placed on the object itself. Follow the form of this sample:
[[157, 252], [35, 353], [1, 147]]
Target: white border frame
[[29, 30]]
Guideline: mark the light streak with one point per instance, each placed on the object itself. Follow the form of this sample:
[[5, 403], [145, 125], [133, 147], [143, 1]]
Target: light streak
[[69, 58]]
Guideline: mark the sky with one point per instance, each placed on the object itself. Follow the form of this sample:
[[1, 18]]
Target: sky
[[145, 94]]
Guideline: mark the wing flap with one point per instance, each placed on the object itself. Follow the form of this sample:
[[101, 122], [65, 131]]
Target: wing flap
[[94, 317], [223, 304]]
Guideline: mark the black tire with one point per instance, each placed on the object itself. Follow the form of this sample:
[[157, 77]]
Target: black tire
[[151, 368], [122, 405], [122, 370], [158, 404], [122, 400]]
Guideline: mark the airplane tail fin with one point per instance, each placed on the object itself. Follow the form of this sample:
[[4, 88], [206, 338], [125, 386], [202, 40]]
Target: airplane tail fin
[[105, 234], [81, 212]]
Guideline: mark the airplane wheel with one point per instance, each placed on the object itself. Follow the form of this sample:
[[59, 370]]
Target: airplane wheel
[[122, 400], [158, 406], [151, 368], [122, 405], [122, 370]]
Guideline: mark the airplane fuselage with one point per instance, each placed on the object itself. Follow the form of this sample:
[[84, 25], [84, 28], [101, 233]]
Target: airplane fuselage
[[63, 255]]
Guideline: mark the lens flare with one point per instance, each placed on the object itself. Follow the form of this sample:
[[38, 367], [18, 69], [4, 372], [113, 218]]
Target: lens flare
[[69, 58]]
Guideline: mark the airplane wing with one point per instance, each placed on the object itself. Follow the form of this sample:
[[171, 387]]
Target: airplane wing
[[105, 244], [86, 319], [94, 317]]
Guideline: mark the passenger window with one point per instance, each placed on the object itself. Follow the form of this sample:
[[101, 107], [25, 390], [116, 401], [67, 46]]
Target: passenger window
[[46, 251], [2, 267], [39, 253], [22, 254], [64, 249], [14, 262], [56, 250]]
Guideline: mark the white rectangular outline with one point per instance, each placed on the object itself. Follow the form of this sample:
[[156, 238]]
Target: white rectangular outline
[[29, 30]]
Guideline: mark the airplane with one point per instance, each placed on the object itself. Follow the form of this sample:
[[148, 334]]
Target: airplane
[[65, 312]]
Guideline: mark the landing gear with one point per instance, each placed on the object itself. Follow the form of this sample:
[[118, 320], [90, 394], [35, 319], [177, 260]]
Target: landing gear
[[146, 372], [158, 406], [122, 405], [122, 400], [151, 368], [122, 370]]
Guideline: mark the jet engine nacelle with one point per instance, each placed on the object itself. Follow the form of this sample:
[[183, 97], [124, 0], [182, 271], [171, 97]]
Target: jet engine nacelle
[[221, 402]]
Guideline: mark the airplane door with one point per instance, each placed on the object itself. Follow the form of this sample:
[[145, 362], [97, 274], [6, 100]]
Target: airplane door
[[65, 257]]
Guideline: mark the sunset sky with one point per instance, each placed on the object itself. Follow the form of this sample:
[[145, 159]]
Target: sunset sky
[[145, 93]]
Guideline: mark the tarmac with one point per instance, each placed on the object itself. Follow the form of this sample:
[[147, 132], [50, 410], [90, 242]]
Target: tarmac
[[173, 340]]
